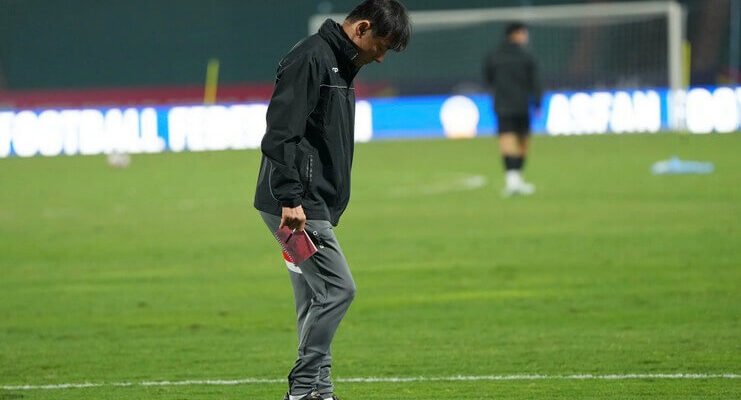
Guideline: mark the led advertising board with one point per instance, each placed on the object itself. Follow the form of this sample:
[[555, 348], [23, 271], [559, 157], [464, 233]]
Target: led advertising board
[[54, 132]]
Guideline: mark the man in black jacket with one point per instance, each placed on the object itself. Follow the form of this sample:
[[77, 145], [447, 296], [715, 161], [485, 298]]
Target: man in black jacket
[[304, 179], [511, 73]]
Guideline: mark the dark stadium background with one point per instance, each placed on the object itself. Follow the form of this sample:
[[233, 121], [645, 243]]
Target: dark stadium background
[[50, 50]]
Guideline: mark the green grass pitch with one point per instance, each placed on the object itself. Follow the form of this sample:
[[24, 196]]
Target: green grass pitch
[[164, 272]]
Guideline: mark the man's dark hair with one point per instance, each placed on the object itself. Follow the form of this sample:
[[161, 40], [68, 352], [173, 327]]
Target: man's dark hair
[[388, 19], [514, 27]]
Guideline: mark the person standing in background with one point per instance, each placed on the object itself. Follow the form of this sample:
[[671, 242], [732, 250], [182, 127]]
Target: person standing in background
[[511, 74]]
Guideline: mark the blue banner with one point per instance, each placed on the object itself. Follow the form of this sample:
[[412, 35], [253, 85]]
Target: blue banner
[[53, 132]]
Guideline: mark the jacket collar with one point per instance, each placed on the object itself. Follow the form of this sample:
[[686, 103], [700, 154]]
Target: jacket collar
[[333, 34]]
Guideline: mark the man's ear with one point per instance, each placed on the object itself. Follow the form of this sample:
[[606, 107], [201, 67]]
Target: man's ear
[[362, 28]]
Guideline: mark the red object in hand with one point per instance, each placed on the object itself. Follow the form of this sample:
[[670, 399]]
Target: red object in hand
[[296, 244]]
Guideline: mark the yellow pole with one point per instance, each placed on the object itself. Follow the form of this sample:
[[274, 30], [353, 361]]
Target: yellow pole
[[212, 81], [687, 63]]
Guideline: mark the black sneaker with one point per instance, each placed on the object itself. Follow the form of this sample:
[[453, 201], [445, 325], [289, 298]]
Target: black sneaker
[[311, 396]]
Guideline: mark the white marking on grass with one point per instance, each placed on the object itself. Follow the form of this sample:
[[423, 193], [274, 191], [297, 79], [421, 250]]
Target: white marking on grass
[[380, 379], [459, 184]]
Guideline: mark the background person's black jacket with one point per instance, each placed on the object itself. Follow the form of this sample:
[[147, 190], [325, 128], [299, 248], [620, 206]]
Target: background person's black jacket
[[511, 73], [309, 142]]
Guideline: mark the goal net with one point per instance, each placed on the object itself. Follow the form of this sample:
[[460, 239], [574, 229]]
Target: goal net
[[582, 46]]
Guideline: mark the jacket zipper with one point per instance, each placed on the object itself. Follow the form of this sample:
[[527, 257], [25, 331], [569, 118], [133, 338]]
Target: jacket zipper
[[309, 172]]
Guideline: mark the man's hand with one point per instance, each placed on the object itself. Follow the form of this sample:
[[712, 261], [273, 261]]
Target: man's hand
[[293, 218]]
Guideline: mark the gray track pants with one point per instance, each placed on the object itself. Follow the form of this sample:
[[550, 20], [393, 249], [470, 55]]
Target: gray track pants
[[323, 289]]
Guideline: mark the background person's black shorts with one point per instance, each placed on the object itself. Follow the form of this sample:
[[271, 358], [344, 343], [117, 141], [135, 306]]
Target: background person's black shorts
[[517, 124]]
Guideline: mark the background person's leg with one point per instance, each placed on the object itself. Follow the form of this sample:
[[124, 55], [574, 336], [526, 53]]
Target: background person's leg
[[513, 145], [509, 144], [523, 144], [511, 152], [523, 137]]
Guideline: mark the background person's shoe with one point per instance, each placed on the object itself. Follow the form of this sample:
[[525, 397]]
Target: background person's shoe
[[519, 189], [526, 189]]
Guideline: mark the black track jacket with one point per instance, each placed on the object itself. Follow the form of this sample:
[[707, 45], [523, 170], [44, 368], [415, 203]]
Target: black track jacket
[[308, 146], [511, 73]]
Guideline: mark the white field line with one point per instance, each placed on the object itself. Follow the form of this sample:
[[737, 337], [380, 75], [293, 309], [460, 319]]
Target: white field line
[[460, 183], [410, 379]]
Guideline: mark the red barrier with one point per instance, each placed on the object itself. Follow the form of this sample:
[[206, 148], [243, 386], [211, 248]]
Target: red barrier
[[129, 96], [142, 96]]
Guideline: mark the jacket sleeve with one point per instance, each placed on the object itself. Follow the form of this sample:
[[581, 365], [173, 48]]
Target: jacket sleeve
[[295, 96], [489, 71], [537, 85]]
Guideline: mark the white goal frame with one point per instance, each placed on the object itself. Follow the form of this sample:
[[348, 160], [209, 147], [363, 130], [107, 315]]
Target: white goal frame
[[673, 11]]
